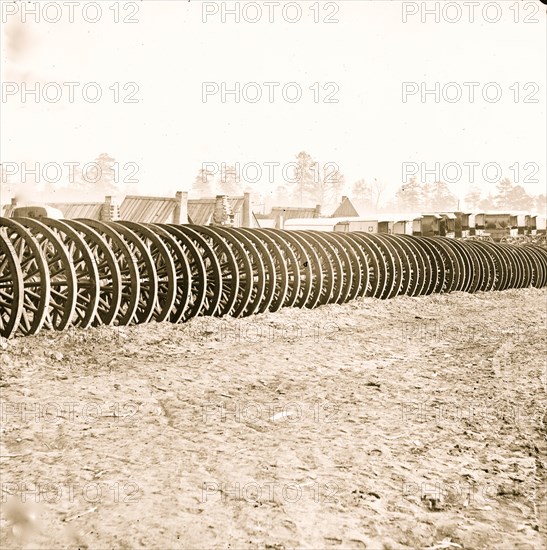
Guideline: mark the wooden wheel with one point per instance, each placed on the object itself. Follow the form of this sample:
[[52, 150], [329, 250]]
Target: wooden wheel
[[369, 265], [409, 264], [280, 267], [85, 267], [207, 285], [355, 265], [266, 251], [35, 275], [228, 268], [331, 269], [197, 274], [298, 280], [62, 275], [166, 293], [386, 266], [310, 268], [252, 271], [438, 263], [109, 277], [12, 289], [130, 279]]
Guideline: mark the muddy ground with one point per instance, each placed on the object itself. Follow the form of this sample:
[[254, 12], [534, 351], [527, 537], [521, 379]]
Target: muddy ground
[[408, 423]]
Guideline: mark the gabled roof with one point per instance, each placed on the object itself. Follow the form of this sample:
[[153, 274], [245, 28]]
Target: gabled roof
[[200, 211], [147, 209], [73, 210], [345, 209]]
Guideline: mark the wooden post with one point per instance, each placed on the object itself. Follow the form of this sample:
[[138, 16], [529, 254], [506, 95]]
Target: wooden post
[[246, 210], [180, 213]]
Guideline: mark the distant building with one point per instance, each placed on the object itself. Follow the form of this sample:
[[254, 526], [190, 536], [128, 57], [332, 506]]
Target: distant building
[[222, 210], [345, 209], [280, 214]]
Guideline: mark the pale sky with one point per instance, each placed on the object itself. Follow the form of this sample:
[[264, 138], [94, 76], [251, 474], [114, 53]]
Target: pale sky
[[369, 53]]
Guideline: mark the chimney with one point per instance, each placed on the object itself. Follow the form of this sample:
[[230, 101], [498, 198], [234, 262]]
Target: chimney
[[110, 211], [14, 201], [246, 210], [222, 214], [180, 213], [317, 211]]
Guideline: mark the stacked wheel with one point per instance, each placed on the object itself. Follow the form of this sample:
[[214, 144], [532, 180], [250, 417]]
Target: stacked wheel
[[56, 274]]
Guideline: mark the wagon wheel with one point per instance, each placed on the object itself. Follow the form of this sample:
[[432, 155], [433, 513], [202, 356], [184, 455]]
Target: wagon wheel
[[463, 262], [292, 252], [530, 263], [168, 287], [518, 276], [410, 273], [509, 264], [183, 275], [427, 262], [229, 272], [526, 268], [255, 280], [109, 277], [361, 266], [85, 267], [477, 269], [196, 259], [333, 278], [12, 290], [62, 275], [280, 264], [208, 285], [270, 269], [502, 273], [438, 265], [540, 265], [342, 267], [489, 266], [351, 270], [450, 262], [311, 266], [146, 270], [386, 264], [369, 263], [35, 275], [130, 279], [352, 258]]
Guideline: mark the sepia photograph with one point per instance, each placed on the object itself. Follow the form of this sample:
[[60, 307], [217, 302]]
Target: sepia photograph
[[273, 275]]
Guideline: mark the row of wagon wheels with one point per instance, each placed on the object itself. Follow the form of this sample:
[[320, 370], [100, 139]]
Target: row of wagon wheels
[[56, 274]]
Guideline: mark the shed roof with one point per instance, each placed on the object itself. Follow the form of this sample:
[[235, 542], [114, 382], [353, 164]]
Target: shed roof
[[200, 211], [147, 209], [73, 210]]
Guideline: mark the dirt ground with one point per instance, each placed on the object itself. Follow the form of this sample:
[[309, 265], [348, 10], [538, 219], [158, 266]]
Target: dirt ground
[[408, 423]]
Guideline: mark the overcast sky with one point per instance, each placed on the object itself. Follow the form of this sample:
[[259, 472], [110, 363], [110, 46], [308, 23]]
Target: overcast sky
[[368, 54]]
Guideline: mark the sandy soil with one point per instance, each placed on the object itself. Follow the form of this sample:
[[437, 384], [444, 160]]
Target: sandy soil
[[409, 423]]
